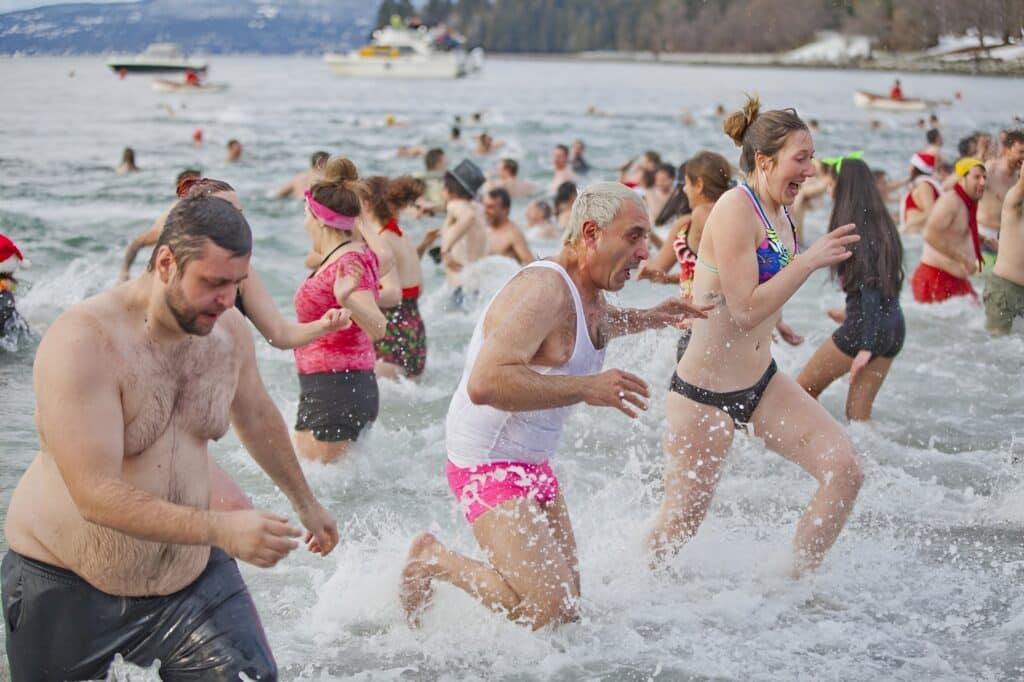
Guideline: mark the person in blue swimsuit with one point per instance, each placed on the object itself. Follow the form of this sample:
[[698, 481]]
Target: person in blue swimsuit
[[727, 379]]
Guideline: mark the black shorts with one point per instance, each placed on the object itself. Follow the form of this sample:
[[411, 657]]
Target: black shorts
[[888, 342], [61, 628], [336, 406]]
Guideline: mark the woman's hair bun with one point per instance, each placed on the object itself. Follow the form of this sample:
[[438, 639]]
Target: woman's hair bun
[[338, 169], [737, 123]]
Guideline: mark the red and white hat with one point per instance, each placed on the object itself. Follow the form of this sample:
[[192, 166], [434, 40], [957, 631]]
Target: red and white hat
[[923, 162], [10, 256]]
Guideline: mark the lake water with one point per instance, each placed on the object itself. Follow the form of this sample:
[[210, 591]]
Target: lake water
[[924, 583]]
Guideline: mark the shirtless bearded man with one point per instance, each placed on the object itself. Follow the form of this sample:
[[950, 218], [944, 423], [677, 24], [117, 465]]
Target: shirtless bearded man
[[113, 547]]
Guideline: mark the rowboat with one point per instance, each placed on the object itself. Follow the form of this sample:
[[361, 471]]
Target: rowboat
[[161, 85], [870, 100]]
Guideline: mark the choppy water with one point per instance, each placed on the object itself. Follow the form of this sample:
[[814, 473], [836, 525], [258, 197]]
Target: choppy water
[[923, 584]]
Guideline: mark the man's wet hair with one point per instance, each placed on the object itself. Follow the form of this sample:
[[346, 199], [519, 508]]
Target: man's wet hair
[[318, 159], [187, 173], [1013, 137], [511, 165], [563, 148], [196, 220], [501, 194], [933, 136], [968, 146], [456, 132], [433, 158]]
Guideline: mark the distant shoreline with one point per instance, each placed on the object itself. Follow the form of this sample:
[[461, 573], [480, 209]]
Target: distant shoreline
[[888, 62]]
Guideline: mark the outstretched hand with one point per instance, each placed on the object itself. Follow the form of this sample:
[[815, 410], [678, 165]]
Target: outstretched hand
[[788, 334], [321, 528], [618, 389], [336, 319], [676, 312], [859, 362], [831, 248], [347, 280]]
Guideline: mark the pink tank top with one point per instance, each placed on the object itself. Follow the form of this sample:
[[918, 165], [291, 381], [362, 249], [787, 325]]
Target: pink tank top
[[347, 349]]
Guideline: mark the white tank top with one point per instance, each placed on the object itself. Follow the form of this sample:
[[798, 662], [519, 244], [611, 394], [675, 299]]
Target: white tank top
[[480, 434]]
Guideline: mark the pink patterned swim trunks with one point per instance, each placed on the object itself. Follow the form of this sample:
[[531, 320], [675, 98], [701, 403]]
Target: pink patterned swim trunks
[[485, 486]]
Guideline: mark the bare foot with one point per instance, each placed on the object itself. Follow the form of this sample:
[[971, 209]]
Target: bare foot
[[838, 315], [415, 590]]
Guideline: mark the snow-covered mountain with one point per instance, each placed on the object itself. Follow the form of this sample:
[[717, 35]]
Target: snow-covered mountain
[[198, 26]]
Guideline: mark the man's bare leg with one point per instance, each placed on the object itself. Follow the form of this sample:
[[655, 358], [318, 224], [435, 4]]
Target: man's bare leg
[[527, 578]]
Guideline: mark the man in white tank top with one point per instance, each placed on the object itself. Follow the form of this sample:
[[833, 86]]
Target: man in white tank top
[[537, 350]]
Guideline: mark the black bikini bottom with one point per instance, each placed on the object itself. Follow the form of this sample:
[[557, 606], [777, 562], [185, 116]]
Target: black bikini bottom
[[739, 405]]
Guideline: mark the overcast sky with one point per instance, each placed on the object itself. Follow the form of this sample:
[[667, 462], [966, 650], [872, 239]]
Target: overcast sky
[[13, 5]]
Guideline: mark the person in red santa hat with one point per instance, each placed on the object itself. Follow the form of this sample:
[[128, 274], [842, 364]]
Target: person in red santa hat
[[10, 260], [917, 203]]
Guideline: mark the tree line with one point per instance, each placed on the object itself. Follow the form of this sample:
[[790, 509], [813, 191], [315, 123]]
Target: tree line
[[555, 26]]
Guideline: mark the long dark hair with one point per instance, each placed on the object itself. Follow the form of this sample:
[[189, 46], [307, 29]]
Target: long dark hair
[[877, 259], [677, 203]]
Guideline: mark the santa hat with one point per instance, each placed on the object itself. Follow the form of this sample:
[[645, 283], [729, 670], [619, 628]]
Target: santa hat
[[10, 256], [923, 162]]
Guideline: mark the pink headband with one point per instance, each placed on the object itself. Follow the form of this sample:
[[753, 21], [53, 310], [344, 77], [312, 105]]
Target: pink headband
[[327, 216]]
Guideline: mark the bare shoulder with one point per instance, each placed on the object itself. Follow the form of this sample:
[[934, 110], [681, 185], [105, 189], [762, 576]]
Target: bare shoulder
[[536, 296], [732, 214], [82, 342]]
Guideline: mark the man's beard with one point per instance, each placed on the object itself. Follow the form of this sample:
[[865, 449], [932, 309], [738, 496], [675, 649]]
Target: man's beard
[[185, 316]]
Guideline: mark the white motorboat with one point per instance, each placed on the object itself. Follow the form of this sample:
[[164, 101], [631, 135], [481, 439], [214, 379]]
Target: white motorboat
[[158, 58], [407, 53], [868, 100]]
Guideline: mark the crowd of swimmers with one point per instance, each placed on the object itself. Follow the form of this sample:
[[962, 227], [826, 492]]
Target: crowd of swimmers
[[124, 500]]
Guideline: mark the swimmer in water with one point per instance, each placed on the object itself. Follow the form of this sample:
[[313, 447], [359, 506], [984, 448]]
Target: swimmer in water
[[1004, 289], [297, 186], [338, 395], [114, 546], [727, 378], [504, 238], [127, 162], [952, 246], [873, 330], [402, 352], [537, 350]]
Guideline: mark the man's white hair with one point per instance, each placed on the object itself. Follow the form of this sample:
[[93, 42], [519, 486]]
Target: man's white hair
[[599, 202]]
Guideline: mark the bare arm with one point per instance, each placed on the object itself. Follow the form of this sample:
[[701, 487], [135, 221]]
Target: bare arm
[[732, 224], [1012, 203], [463, 221], [519, 320], [147, 238], [429, 237], [671, 312], [279, 332], [522, 248], [262, 430], [375, 241], [360, 302]]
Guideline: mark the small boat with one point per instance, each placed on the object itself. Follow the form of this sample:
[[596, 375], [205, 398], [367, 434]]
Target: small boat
[[158, 58], [869, 100], [163, 85], [401, 52]]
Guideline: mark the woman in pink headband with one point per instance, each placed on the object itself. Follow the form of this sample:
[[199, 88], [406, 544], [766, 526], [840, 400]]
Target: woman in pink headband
[[338, 389]]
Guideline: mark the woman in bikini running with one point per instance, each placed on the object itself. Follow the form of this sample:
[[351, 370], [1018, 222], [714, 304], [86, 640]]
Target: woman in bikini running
[[727, 377]]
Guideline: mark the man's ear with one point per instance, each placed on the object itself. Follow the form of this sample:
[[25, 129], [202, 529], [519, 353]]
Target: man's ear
[[589, 231], [166, 265]]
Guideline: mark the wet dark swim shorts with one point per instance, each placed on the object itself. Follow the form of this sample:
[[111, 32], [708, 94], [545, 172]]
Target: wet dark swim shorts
[[336, 406], [61, 628]]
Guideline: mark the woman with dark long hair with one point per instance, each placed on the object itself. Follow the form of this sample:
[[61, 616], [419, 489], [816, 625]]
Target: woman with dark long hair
[[872, 335]]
